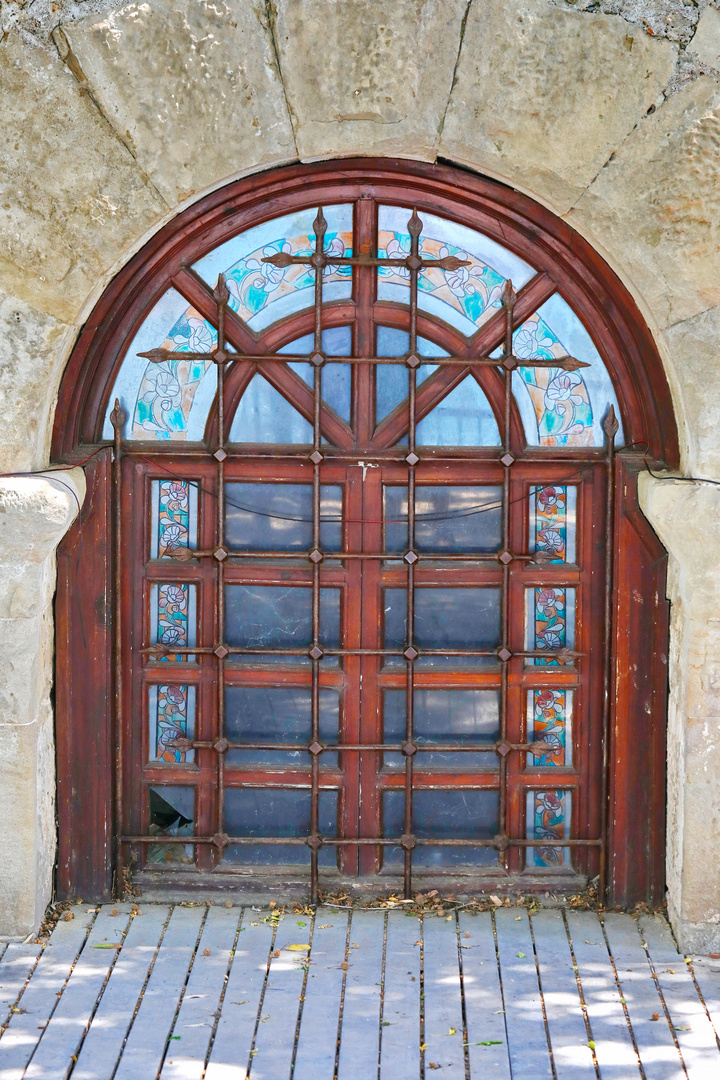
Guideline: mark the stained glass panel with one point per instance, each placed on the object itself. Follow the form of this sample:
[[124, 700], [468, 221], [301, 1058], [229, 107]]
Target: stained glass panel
[[561, 408], [168, 401], [174, 517], [171, 712], [550, 621], [549, 715], [261, 293], [465, 297], [548, 818], [552, 521], [173, 618]]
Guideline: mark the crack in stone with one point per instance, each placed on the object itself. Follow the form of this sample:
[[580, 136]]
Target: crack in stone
[[39, 18], [270, 23], [463, 25]]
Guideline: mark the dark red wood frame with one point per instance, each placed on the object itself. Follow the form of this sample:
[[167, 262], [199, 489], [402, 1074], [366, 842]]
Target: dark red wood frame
[[566, 263]]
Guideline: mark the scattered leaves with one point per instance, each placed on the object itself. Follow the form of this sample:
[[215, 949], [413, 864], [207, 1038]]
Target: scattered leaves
[[452, 1031], [325, 926], [496, 900], [434, 1065], [423, 1047], [344, 966], [302, 924], [114, 911], [206, 952], [276, 953], [466, 934], [655, 1016], [228, 903], [109, 945], [521, 955], [591, 1044], [68, 916], [486, 1042], [298, 948], [679, 1028]]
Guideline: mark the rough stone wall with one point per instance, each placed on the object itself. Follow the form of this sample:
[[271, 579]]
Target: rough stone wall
[[115, 115]]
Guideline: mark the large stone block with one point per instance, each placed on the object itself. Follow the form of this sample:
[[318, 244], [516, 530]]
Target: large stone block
[[693, 348], [72, 197], [368, 78], [656, 206], [706, 40], [31, 355], [543, 96], [193, 88]]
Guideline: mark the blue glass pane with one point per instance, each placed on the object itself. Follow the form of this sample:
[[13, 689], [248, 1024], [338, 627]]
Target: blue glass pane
[[260, 293], [392, 383], [466, 297], [278, 617], [336, 378], [444, 815], [463, 618], [277, 812], [278, 517], [278, 715], [168, 401], [264, 416], [561, 408], [452, 519], [463, 418], [468, 717]]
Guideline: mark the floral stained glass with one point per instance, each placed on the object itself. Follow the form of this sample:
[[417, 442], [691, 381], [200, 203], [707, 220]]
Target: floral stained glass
[[172, 716], [174, 517], [550, 620], [548, 818], [173, 616], [549, 714], [552, 521]]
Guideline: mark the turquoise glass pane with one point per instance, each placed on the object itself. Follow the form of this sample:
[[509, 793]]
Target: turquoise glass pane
[[444, 815], [463, 418], [277, 812], [265, 416], [171, 712], [548, 817], [561, 408], [168, 401], [465, 298], [550, 621], [261, 293]]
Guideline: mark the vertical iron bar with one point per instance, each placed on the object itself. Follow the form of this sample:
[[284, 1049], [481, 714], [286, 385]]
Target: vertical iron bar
[[117, 419], [508, 300], [221, 295], [610, 427], [319, 227], [415, 229]]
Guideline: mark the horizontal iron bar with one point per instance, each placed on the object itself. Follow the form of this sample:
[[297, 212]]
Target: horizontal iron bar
[[356, 841]]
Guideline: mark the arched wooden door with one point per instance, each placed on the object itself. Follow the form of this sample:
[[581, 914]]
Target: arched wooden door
[[373, 521]]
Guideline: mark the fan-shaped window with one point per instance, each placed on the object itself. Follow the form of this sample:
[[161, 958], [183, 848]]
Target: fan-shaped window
[[365, 429]]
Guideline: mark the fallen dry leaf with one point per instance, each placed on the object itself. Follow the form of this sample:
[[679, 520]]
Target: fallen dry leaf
[[273, 903], [655, 1016], [433, 1065], [206, 952], [496, 900], [714, 955], [325, 926], [276, 953], [114, 911], [68, 916], [298, 948], [344, 965], [466, 934], [228, 903]]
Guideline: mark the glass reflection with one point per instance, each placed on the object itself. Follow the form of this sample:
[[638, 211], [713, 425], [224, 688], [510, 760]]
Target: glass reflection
[[262, 714], [444, 815], [447, 519], [278, 517], [277, 812], [468, 717], [464, 618]]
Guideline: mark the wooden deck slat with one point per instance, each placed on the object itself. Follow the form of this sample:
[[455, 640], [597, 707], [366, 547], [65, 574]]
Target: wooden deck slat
[[100, 1051], [243, 995], [707, 976], [527, 1036], [16, 968], [275, 1036], [614, 1048], [654, 1038], [66, 1028], [400, 1036], [40, 999], [693, 1030], [484, 1006], [317, 1043], [360, 1031], [146, 1043], [443, 997], [572, 1055], [190, 1039]]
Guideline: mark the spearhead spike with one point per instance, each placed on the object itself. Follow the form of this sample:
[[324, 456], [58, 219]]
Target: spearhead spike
[[414, 225], [319, 224], [118, 416], [155, 356], [610, 423], [509, 295], [451, 262], [282, 259], [571, 363], [221, 291]]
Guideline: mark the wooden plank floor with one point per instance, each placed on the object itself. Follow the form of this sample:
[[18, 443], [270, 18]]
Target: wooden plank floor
[[191, 992]]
